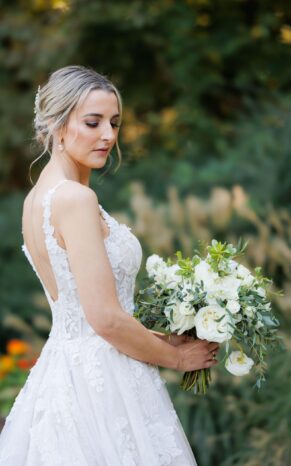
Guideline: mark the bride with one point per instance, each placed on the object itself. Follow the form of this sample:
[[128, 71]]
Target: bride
[[95, 396]]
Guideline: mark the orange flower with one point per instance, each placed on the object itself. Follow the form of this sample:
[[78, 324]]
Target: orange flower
[[17, 347], [7, 363], [26, 363]]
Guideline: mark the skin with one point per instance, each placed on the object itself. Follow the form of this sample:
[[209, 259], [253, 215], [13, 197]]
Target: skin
[[80, 230]]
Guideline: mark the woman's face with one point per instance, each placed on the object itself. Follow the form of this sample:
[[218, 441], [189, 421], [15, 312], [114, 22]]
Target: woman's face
[[92, 129]]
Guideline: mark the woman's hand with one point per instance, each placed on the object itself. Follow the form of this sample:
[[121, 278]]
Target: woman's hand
[[196, 354]]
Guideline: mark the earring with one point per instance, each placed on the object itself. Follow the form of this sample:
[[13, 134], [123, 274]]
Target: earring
[[61, 147]]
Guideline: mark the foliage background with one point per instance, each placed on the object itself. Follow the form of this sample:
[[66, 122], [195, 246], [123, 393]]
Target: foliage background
[[206, 87]]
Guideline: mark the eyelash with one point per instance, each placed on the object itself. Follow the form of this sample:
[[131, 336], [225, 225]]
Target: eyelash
[[94, 125]]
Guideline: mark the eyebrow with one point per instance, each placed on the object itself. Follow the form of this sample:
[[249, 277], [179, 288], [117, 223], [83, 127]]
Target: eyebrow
[[100, 115]]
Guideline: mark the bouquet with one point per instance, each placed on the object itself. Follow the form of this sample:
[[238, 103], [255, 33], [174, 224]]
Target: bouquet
[[213, 298]]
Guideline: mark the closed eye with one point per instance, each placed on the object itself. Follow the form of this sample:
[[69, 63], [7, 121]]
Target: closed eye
[[94, 125]]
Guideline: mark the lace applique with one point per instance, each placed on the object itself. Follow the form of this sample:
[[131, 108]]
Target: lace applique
[[125, 255], [164, 443], [93, 369], [125, 443]]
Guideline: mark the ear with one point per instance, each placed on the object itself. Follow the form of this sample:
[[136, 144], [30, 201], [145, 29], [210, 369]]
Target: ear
[[59, 135]]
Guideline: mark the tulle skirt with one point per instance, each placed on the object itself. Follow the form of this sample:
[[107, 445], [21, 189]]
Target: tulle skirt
[[85, 403]]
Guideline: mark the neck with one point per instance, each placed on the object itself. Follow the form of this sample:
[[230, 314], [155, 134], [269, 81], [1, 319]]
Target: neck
[[69, 169]]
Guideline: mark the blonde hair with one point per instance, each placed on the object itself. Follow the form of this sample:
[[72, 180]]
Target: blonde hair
[[65, 89]]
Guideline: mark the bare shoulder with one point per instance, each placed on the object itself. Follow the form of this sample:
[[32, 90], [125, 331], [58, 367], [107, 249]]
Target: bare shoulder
[[74, 195], [73, 192]]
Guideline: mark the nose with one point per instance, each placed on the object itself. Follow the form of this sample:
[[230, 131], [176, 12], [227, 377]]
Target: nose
[[107, 133]]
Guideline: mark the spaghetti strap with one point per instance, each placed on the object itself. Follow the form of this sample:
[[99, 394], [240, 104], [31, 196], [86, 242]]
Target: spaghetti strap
[[46, 203]]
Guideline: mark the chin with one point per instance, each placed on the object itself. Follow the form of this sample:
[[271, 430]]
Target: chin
[[99, 163]]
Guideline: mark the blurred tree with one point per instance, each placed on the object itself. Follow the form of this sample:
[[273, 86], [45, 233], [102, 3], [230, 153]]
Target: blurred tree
[[189, 72], [206, 91]]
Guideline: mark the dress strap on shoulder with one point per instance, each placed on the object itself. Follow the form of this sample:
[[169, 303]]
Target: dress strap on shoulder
[[52, 190], [46, 202]]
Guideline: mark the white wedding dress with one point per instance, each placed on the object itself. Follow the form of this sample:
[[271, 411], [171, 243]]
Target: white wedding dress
[[85, 403]]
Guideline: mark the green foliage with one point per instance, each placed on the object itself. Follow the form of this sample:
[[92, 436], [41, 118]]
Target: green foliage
[[206, 82], [206, 91]]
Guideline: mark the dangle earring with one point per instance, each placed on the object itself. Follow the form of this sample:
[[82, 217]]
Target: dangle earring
[[61, 147]]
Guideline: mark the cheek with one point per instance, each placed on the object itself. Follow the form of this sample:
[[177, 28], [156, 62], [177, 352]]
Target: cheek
[[81, 135]]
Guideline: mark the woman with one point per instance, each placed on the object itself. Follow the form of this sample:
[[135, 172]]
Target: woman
[[94, 396]]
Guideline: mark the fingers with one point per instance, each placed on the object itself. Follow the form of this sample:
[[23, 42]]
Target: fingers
[[213, 346], [198, 354], [211, 363]]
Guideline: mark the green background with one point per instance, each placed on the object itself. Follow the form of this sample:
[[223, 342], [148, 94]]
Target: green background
[[205, 138]]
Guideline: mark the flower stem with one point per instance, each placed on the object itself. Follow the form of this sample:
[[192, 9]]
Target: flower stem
[[197, 380]]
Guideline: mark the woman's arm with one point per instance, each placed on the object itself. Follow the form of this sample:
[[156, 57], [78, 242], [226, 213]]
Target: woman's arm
[[77, 220], [172, 338]]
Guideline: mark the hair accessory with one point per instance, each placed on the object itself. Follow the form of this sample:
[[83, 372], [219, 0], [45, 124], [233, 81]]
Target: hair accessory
[[36, 105], [36, 101]]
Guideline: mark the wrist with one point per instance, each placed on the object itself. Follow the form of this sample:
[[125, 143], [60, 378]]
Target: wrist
[[178, 358], [162, 336]]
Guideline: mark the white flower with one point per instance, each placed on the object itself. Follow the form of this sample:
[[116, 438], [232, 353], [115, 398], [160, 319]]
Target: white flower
[[259, 324], [226, 288], [245, 275], [232, 265], [208, 328], [233, 306], [204, 273], [249, 280], [154, 265], [211, 299], [261, 292], [242, 271], [170, 277], [238, 363], [187, 291], [183, 317]]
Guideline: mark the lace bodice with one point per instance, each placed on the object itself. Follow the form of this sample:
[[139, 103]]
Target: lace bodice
[[125, 254], [84, 402]]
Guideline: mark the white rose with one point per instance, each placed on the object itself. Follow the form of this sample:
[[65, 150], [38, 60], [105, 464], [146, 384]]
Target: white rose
[[238, 363], [233, 306], [249, 280], [242, 271], [204, 273], [211, 298], [154, 265], [232, 266], [208, 328], [226, 288], [171, 279], [245, 275], [182, 318]]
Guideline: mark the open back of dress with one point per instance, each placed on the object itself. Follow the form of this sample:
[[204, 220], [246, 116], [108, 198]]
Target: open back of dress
[[85, 403]]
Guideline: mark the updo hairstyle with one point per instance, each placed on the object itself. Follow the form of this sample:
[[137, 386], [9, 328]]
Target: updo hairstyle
[[55, 100]]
